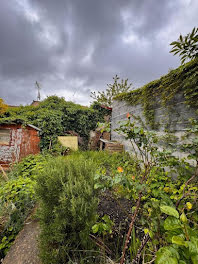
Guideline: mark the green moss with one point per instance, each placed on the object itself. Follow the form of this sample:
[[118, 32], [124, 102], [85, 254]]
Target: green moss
[[161, 92]]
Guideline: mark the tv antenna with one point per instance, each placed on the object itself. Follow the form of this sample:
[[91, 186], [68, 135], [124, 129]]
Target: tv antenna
[[39, 88]]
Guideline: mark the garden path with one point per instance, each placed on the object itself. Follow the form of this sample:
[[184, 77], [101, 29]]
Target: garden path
[[25, 248]]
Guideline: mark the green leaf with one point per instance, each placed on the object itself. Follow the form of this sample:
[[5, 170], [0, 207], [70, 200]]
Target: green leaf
[[179, 240], [193, 246], [169, 211], [174, 43], [194, 259], [167, 255], [98, 186], [136, 130], [171, 223], [183, 218], [95, 228], [117, 179]]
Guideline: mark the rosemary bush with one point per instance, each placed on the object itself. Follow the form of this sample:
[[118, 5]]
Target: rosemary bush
[[67, 209]]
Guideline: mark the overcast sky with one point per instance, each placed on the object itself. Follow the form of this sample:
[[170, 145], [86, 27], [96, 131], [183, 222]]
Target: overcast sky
[[73, 47]]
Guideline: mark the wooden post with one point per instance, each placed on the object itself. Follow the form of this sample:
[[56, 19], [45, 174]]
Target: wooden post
[[4, 174]]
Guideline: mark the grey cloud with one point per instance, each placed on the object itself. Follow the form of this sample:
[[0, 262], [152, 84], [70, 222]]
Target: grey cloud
[[89, 44], [147, 18], [21, 52]]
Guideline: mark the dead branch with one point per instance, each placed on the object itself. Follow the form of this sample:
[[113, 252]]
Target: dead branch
[[4, 174], [130, 228], [143, 244], [100, 244]]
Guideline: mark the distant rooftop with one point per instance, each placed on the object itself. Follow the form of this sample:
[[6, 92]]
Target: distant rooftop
[[35, 103]]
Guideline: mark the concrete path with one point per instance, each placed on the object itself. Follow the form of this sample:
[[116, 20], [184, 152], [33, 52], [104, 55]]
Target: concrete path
[[25, 248]]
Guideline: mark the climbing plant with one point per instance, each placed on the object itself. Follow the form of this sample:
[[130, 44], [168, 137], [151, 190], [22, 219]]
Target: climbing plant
[[162, 92], [55, 116]]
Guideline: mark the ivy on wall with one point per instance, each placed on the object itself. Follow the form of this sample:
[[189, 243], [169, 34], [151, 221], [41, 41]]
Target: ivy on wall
[[162, 92]]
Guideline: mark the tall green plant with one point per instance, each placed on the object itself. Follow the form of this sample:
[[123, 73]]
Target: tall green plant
[[67, 209], [106, 97]]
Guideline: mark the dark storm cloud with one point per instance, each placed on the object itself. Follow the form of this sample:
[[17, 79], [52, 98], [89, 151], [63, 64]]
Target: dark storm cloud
[[21, 52], [75, 46], [149, 17]]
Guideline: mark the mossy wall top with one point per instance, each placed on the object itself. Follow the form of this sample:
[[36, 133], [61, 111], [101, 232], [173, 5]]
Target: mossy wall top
[[164, 104]]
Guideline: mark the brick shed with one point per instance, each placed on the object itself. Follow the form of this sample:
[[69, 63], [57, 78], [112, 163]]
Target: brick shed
[[17, 141]]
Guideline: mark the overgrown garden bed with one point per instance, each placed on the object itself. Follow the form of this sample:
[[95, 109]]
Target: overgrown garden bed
[[96, 207]]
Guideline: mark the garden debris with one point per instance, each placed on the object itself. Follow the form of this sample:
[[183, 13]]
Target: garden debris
[[94, 139], [111, 146]]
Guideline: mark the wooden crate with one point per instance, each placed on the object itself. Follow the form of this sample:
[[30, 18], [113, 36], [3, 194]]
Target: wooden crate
[[111, 146]]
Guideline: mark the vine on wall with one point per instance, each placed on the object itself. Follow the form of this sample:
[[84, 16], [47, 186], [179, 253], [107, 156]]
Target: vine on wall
[[162, 92]]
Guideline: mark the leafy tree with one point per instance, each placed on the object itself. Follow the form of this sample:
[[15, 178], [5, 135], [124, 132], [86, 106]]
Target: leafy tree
[[3, 107], [50, 122], [106, 97], [54, 116], [186, 46]]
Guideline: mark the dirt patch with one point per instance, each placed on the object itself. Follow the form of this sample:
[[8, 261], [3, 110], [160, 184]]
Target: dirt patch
[[119, 211]]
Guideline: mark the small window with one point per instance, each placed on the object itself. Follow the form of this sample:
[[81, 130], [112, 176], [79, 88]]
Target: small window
[[4, 136]]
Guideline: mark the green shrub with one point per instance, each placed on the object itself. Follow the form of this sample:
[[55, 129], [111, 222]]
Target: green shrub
[[67, 208], [17, 198], [109, 162], [29, 166]]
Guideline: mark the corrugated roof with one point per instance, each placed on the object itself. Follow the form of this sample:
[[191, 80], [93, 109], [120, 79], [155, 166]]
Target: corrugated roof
[[36, 128], [19, 122]]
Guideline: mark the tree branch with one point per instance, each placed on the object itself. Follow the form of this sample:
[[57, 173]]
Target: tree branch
[[186, 184], [143, 244]]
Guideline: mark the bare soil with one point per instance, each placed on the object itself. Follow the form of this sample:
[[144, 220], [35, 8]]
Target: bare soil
[[119, 211]]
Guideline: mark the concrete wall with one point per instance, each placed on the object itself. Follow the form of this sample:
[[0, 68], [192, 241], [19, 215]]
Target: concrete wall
[[174, 117]]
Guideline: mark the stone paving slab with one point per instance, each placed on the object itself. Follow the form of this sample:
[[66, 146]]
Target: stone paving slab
[[25, 248]]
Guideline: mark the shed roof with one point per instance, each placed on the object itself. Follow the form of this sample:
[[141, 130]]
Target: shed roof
[[32, 126], [20, 122]]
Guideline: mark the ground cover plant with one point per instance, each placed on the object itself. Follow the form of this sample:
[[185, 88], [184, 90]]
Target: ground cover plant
[[70, 206], [165, 209], [17, 198], [134, 194]]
